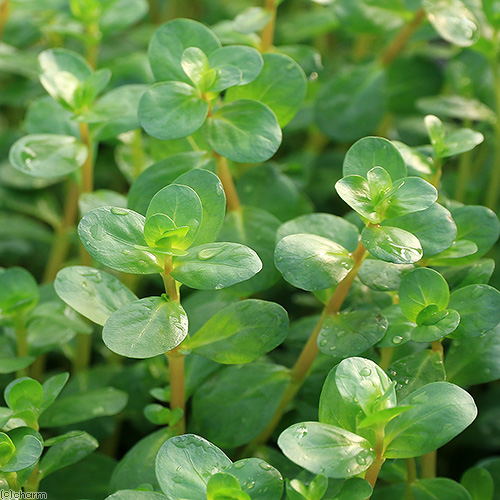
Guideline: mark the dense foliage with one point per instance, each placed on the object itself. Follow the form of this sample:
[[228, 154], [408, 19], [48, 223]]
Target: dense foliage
[[248, 249]]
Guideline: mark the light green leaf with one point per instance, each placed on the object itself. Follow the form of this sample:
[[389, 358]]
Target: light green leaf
[[94, 294], [18, 292], [146, 328], [246, 59], [244, 131], [172, 110], [47, 156]]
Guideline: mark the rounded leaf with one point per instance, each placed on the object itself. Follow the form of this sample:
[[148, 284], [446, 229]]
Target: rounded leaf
[[246, 59], [325, 449], [216, 265], [94, 294], [146, 328], [115, 237], [172, 110], [245, 131], [47, 156], [312, 262]]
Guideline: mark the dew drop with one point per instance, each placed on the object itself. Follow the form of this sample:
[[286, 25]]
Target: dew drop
[[264, 466], [119, 211], [239, 465], [279, 259], [397, 339], [365, 372], [208, 253], [323, 343], [219, 286], [126, 252], [97, 232], [361, 460]]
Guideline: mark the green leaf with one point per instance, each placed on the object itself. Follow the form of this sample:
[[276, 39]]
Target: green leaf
[[47, 156], [351, 333], [18, 292], [441, 411], [94, 294], [67, 452], [456, 106], [169, 43], [248, 61], [52, 387], [258, 479], [474, 361], [224, 485], [146, 328], [28, 449], [351, 105], [328, 226], [383, 276], [454, 22], [24, 394], [100, 198], [216, 265], [479, 483], [46, 116], [436, 325], [439, 487], [244, 131], [184, 465], [115, 237], [371, 152], [137, 466], [84, 406], [325, 449], [172, 110], [460, 141], [163, 173], [255, 228], [230, 411], [491, 11], [195, 64], [241, 332], [312, 262], [392, 244], [421, 288], [408, 195], [120, 14], [416, 370], [479, 308], [136, 495], [355, 191], [182, 207], [355, 489], [355, 388], [281, 85], [63, 73], [434, 228], [213, 199], [251, 20], [7, 449]]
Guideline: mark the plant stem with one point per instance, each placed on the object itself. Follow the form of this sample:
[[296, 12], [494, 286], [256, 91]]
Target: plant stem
[[33, 482], [464, 171], [402, 38], [267, 36], [83, 352], [310, 350], [233, 201], [386, 354], [4, 15], [429, 465], [436, 177], [93, 44], [137, 152], [60, 245], [437, 346], [411, 477], [88, 166], [22, 343], [175, 358], [374, 469], [494, 186]]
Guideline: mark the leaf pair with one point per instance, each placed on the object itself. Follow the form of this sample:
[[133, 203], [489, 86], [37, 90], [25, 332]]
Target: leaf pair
[[358, 399]]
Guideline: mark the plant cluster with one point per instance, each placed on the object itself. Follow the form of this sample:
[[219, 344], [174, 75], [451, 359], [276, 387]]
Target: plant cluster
[[258, 241]]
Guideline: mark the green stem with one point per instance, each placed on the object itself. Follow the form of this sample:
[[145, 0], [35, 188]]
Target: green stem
[[88, 166], [402, 39], [310, 350], [137, 152], [493, 192], [267, 35], [60, 245], [436, 177], [83, 352], [233, 201], [33, 482], [464, 172], [22, 343], [93, 43], [429, 465], [4, 16], [386, 354], [411, 477], [373, 471], [175, 358]]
